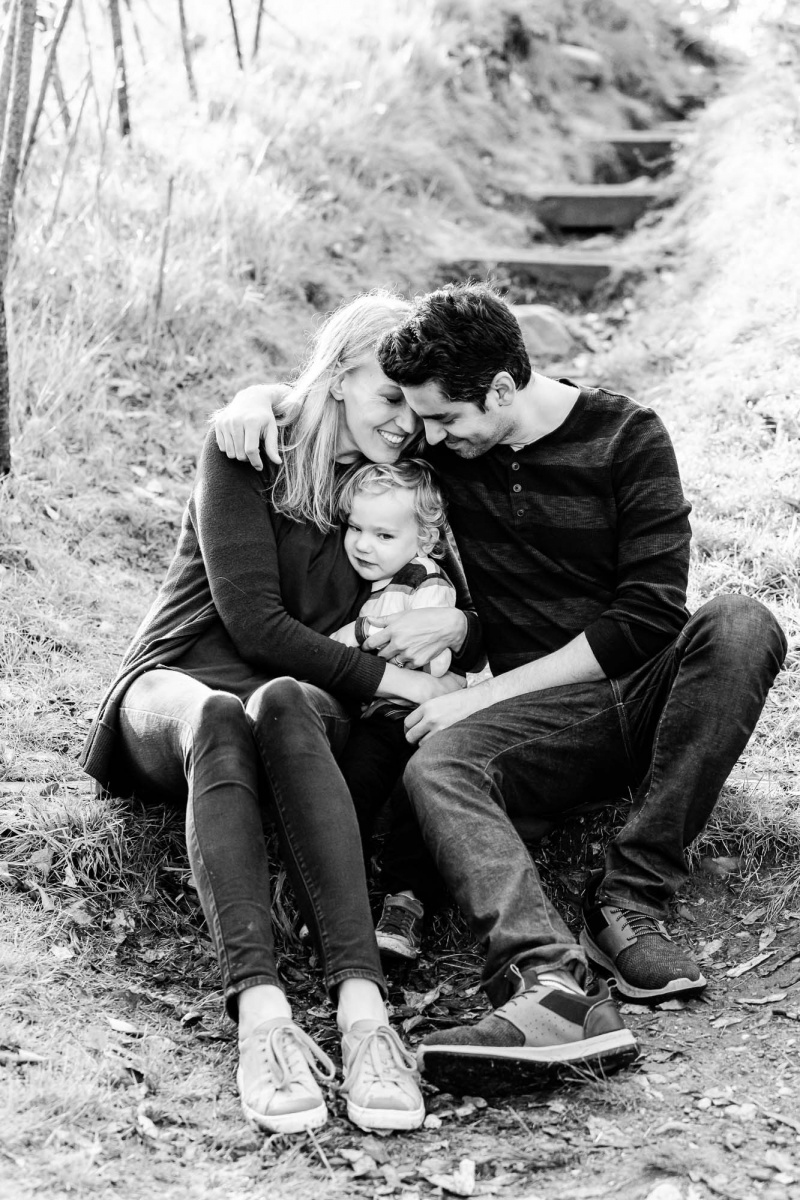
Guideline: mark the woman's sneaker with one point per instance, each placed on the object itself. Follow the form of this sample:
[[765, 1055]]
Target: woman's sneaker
[[380, 1079], [278, 1063], [638, 953], [544, 1030], [399, 931]]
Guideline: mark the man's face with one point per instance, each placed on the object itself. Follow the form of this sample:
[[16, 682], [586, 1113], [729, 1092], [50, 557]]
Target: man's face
[[463, 428]]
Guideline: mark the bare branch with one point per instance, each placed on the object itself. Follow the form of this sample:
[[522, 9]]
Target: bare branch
[[238, 44], [122, 77], [49, 64], [187, 51]]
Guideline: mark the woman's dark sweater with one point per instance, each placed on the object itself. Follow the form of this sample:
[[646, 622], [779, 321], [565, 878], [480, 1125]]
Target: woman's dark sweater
[[249, 596]]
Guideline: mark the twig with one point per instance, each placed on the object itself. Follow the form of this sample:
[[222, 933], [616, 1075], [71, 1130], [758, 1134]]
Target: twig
[[136, 33], [67, 160], [121, 77], [88, 44], [323, 1156], [187, 52], [257, 34], [61, 97], [162, 258], [49, 65], [237, 43]]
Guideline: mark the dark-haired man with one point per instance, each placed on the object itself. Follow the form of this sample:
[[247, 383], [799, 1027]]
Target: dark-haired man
[[568, 512]]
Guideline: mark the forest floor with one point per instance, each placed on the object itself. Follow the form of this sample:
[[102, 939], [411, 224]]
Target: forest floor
[[116, 1064]]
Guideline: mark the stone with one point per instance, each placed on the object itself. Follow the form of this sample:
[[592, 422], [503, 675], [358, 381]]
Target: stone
[[546, 332]]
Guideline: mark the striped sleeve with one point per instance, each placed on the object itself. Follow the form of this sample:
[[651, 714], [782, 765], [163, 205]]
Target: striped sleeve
[[653, 534]]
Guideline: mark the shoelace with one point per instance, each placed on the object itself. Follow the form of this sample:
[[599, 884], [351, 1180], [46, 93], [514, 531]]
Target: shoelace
[[642, 924], [280, 1046], [385, 1055], [398, 920]]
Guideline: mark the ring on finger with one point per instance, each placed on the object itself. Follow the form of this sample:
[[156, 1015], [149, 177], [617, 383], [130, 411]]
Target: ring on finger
[[398, 661]]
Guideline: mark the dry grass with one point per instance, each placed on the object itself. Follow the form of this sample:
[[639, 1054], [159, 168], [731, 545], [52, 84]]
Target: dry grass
[[293, 188], [712, 345]]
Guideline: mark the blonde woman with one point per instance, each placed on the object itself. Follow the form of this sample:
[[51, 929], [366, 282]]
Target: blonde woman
[[232, 679]]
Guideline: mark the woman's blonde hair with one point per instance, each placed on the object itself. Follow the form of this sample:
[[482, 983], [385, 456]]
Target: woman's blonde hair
[[306, 486], [413, 475]]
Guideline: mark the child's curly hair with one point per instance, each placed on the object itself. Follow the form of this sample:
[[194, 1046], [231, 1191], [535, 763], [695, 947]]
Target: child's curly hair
[[413, 475]]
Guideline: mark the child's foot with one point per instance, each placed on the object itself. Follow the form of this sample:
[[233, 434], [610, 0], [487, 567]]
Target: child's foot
[[277, 1065], [399, 931], [380, 1080]]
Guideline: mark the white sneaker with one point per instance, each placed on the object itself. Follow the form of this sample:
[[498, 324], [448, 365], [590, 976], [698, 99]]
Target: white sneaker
[[380, 1079], [278, 1063]]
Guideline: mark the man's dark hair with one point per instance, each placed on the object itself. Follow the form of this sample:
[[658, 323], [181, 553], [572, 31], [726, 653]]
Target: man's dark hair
[[458, 337]]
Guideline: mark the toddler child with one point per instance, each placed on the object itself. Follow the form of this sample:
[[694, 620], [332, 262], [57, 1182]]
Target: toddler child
[[395, 526]]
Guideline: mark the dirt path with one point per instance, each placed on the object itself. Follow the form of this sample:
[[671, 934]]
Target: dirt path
[[118, 1073]]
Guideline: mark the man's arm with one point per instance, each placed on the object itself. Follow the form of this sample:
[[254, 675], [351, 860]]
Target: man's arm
[[571, 664], [240, 425]]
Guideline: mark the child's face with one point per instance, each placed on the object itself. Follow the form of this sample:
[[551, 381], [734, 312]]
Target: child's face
[[382, 533]]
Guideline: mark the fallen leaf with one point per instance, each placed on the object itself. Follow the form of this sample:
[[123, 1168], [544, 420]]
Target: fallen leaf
[[375, 1148], [754, 915], [766, 937], [744, 967], [773, 998], [124, 1026], [672, 1005], [709, 950], [62, 953], [721, 866], [462, 1180], [725, 1021], [606, 1133]]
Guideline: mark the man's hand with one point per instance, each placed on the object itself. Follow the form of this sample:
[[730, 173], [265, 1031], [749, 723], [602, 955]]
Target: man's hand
[[417, 636], [240, 426], [434, 715]]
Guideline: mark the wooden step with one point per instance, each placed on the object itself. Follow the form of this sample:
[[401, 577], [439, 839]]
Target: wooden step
[[581, 270], [646, 147], [593, 205]]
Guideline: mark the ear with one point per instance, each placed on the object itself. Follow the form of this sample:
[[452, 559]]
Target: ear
[[504, 387], [336, 388], [430, 543]]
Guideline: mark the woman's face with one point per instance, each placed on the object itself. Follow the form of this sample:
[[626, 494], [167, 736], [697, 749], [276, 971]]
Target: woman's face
[[377, 424]]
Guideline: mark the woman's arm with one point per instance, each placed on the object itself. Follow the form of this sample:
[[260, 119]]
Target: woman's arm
[[237, 541]]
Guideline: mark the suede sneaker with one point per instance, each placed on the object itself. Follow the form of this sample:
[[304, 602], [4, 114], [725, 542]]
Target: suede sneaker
[[399, 931], [637, 952], [380, 1079], [543, 1031], [278, 1064]]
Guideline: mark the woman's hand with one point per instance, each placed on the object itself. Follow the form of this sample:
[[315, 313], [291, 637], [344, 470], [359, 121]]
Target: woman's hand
[[240, 426], [417, 686], [417, 636]]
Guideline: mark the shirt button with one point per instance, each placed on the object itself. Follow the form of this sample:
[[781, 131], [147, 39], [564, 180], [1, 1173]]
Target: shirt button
[[515, 466], [520, 512], [517, 487]]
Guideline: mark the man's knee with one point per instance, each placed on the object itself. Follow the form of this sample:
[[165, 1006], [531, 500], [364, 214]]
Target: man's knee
[[742, 627]]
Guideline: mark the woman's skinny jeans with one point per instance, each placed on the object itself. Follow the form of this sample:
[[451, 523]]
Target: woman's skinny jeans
[[184, 740]]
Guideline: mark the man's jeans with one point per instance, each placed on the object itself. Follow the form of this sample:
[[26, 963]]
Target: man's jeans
[[185, 742], [671, 731]]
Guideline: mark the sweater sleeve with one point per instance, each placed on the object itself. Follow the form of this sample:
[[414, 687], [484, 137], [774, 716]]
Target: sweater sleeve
[[239, 549], [471, 656], [653, 534]]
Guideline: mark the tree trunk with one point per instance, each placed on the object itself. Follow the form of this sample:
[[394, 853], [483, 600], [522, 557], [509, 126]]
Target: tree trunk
[[49, 66], [6, 66], [257, 35], [24, 15], [122, 77], [238, 44], [187, 52]]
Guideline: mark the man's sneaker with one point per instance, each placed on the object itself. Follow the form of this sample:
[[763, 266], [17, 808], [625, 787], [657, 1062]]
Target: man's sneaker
[[638, 953], [278, 1063], [542, 1032], [380, 1079], [399, 931]]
